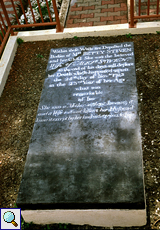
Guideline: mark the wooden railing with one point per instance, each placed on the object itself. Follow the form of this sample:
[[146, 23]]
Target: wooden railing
[[6, 27], [147, 13]]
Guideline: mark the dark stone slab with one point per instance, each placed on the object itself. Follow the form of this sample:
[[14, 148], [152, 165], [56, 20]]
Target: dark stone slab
[[85, 151]]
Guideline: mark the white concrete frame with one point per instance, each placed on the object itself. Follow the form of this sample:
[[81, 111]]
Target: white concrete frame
[[6, 60], [93, 217], [44, 35]]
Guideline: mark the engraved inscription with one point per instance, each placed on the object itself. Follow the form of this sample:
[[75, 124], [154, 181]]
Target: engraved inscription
[[86, 73]]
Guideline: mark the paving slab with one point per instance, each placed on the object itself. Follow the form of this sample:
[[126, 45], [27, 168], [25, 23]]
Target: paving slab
[[84, 13]]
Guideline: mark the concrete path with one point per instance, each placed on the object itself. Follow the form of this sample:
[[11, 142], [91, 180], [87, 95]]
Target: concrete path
[[96, 13]]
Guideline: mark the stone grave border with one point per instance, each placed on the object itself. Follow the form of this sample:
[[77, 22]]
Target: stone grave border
[[5, 65]]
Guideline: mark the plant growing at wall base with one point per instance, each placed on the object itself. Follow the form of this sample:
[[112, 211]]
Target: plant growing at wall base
[[19, 41], [63, 226], [129, 35]]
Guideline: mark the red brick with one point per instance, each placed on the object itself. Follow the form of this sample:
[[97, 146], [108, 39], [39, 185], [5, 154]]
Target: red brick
[[88, 7], [86, 24], [145, 11], [10, 1], [10, 11], [123, 5], [75, 16], [119, 1], [150, 10], [76, 8], [120, 9], [124, 21], [72, 25], [143, 3], [107, 19], [9, 6], [69, 21], [154, 4], [87, 15], [107, 10], [151, 3], [120, 17], [107, 2]]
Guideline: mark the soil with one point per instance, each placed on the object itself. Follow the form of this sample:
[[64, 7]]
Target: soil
[[20, 99]]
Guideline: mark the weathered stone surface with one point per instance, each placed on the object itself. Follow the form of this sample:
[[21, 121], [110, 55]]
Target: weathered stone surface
[[85, 151]]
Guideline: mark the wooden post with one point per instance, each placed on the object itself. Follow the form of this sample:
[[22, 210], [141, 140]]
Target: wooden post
[[59, 29], [131, 14]]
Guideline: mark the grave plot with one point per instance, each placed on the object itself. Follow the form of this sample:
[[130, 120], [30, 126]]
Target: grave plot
[[84, 163]]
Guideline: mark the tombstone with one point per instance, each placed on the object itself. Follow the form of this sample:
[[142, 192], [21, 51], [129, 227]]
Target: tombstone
[[84, 163]]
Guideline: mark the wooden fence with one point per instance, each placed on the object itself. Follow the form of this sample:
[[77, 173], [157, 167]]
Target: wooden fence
[[147, 9], [7, 27]]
